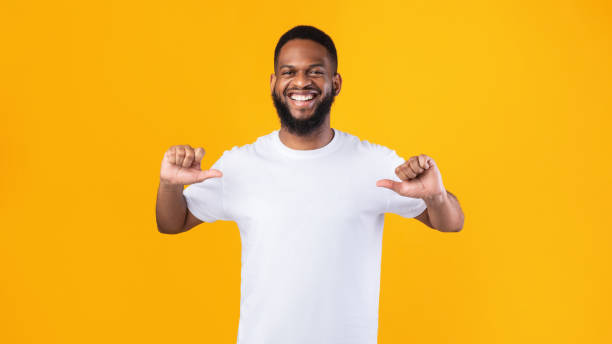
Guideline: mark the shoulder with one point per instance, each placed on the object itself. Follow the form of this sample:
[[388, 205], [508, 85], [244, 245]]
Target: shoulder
[[249, 150], [374, 154], [368, 147]]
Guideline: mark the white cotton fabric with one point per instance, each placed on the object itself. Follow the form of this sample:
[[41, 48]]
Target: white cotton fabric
[[311, 225]]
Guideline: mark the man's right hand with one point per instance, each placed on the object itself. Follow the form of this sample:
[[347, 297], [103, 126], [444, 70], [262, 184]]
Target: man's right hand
[[182, 166]]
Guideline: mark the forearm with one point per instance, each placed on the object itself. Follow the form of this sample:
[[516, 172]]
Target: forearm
[[445, 213], [171, 208]]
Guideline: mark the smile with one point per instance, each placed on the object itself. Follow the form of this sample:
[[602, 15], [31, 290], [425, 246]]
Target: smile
[[301, 97], [302, 100]]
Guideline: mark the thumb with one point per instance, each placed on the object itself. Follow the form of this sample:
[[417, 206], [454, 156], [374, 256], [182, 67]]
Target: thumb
[[389, 184], [212, 173]]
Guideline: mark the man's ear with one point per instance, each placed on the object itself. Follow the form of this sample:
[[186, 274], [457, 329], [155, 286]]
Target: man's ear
[[337, 81], [272, 82]]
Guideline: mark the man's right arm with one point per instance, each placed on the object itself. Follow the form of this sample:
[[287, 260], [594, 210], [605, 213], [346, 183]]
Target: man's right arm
[[180, 166], [172, 214]]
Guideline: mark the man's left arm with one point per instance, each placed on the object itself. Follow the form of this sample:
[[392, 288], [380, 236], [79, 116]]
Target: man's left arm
[[443, 213], [421, 178]]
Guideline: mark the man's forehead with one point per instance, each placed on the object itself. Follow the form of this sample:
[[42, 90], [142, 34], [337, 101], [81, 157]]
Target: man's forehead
[[302, 52]]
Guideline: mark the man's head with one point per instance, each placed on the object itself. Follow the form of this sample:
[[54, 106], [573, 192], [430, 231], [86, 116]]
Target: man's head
[[305, 79]]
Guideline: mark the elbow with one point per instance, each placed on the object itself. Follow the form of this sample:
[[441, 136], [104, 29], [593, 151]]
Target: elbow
[[456, 228], [169, 227], [459, 226], [446, 230], [166, 232], [170, 232], [163, 230]]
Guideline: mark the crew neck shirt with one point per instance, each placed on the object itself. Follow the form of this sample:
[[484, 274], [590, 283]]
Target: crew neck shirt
[[311, 225]]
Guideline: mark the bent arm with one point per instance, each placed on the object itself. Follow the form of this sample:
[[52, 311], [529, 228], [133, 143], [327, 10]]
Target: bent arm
[[171, 211], [443, 213]]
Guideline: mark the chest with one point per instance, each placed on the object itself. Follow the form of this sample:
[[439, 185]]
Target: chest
[[299, 191]]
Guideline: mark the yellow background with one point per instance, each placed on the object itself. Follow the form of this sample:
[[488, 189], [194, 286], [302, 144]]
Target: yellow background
[[511, 98]]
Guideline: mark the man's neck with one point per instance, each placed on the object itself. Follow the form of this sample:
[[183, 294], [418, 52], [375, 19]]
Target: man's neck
[[317, 139]]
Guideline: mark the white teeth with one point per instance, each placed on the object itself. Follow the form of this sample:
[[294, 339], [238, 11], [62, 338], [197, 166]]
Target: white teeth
[[301, 97]]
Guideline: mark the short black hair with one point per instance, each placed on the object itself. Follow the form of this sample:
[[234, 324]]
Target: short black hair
[[311, 33]]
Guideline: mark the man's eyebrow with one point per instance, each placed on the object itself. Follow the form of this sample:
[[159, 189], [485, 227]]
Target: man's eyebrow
[[312, 65]]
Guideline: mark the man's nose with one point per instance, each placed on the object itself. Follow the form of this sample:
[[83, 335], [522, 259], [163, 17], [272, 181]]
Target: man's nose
[[302, 80]]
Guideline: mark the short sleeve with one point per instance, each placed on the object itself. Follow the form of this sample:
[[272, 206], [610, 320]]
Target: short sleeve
[[397, 204], [205, 200]]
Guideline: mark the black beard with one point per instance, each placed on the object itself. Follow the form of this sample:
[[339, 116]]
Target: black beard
[[303, 127]]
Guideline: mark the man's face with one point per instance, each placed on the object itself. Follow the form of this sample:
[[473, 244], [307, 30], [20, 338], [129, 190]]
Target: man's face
[[304, 85]]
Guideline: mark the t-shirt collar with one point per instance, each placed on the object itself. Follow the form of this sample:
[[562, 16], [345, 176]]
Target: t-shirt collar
[[307, 153]]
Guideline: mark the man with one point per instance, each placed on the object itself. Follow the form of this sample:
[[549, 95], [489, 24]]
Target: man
[[309, 201]]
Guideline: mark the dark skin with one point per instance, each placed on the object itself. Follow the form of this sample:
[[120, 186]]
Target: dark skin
[[305, 67]]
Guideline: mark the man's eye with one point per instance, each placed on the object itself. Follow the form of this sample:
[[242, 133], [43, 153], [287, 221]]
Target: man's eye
[[317, 72], [287, 72]]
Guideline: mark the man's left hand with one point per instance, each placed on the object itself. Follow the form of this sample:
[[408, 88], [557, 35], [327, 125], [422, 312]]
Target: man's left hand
[[420, 178]]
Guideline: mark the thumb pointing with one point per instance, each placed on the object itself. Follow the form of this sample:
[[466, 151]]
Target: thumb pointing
[[389, 184], [212, 173]]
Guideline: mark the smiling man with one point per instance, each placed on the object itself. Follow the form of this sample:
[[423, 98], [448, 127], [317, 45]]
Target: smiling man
[[309, 201], [306, 85]]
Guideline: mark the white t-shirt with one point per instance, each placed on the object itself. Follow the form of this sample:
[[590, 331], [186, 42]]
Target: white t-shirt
[[311, 226]]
